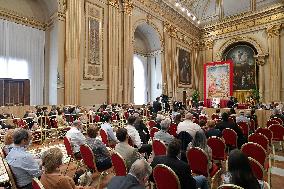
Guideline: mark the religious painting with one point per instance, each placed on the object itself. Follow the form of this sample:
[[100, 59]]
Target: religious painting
[[93, 67], [184, 67], [244, 67], [218, 80]]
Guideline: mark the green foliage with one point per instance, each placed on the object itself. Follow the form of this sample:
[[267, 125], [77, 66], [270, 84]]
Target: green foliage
[[195, 96], [255, 95]]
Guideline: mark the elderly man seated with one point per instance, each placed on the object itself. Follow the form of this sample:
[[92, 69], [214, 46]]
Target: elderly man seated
[[22, 163], [163, 134]]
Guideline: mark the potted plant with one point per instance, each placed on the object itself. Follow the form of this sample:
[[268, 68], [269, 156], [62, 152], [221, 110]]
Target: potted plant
[[195, 98]]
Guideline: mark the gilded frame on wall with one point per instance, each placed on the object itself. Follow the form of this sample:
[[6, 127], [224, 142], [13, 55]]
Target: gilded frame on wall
[[93, 66], [184, 67]]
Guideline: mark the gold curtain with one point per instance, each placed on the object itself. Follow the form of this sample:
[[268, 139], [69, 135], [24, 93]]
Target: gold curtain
[[241, 95]]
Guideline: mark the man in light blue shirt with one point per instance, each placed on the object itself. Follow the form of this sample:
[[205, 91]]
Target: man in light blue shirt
[[106, 126], [22, 163]]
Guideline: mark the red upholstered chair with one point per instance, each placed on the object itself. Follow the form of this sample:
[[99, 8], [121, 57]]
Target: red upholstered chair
[[97, 118], [229, 186], [218, 147], [126, 115], [230, 137], [254, 151], [159, 148], [10, 174], [278, 119], [151, 124], [36, 184], [259, 139], [70, 152], [266, 132], [203, 118], [195, 120], [118, 164], [104, 137], [245, 128], [88, 157], [113, 117], [215, 116], [165, 177], [232, 119], [271, 122], [173, 129], [277, 133], [153, 131], [257, 168], [198, 162]]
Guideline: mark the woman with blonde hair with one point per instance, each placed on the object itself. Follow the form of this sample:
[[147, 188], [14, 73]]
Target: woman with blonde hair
[[52, 178], [8, 141]]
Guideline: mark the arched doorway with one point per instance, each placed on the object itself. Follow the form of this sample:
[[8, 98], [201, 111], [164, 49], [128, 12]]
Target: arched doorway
[[245, 69], [146, 64]]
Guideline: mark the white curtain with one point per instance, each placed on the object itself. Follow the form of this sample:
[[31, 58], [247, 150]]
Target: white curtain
[[22, 56]]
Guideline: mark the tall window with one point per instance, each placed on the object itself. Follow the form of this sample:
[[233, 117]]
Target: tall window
[[140, 96], [13, 68]]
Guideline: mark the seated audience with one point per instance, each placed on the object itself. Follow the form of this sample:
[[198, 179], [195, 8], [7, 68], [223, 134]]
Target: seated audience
[[22, 163], [242, 118], [163, 134], [212, 131], [200, 141], [240, 172], [188, 126], [226, 124], [52, 178], [106, 126], [8, 141], [177, 119], [101, 153], [135, 179], [134, 136], [60, 119], [159, 119], [202, 124], [181, 168], [277, 113], [142, 129], [129, 153], [76, 137]]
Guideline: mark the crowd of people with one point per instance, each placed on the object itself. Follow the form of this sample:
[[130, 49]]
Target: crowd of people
[[132, 142]]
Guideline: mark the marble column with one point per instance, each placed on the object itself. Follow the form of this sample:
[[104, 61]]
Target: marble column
[[72, 79], [274, 61]]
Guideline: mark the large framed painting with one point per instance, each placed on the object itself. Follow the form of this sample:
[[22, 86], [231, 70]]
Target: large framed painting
[[184, 67], [218, 80], [244, 66], [93, 66]]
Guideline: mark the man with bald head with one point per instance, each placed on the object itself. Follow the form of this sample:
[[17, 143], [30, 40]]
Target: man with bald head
[[135, 179], [188, 126]]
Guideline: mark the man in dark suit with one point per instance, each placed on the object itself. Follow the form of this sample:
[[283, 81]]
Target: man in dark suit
[[226, 124], [135, 179], [157, 105], [181, 168], [231, 103]]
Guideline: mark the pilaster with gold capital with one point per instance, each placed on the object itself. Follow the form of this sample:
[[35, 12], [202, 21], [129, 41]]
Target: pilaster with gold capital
[[114, 3], [171, 30], [274, 30], [127, 6]]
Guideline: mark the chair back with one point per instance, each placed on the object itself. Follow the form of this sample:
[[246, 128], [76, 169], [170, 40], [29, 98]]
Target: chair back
[[204, 118], [230, 137], [173, 129], [271, 122], [118, 164], [260, 139], [165, 177], [252, 125], [4, 154], [113, 117], [277, 132], [126, 115], [68, 147], [88, 157], [215, 116], [153, 131], [195, 120], [278, 119], [245, 128], [159, 148], [218, 147], [232, 119], [10, 174], [257, 168], [255, 151], [198, 161], [152, 124], [97, 118], [104, 137], [229, 186], [266, 132], [36, 184]]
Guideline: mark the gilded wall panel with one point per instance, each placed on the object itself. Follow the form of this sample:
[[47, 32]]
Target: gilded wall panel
[[93, 66]]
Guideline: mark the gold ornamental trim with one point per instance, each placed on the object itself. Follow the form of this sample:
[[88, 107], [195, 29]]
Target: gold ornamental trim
[[20, 19], [244, 21], [128, 7], [274, 30], [114, 3]]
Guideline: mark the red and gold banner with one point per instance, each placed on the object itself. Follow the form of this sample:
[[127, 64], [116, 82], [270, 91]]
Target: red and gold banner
[[218, 80]]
